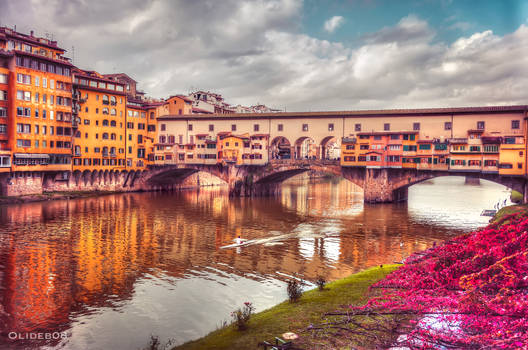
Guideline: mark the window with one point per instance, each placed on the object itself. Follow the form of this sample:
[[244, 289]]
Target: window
[[280, 127], [481, 125], [447, 126], [44, 82], [515, 124], [256, 127], [52, 84], [3, 128], [305, 127], [211, 127], [189, 127], [3, 95], [3, 78], [23, 143], [163, 127], [3, 112], [357, 127], [131, 125], [386, 126], [491, 148], [233, 127], [331, 127], [416, 126], [425, 146]]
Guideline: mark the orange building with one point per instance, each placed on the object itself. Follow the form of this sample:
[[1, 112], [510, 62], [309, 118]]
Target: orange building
[[38, 112], [179, 105], [99, 142]]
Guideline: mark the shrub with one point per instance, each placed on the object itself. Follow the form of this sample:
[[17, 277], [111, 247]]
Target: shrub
[[294, 290], [320, 282], [516, 197], [242, 315]]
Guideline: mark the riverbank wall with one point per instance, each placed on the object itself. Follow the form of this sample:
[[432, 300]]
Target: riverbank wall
[[38, 186]]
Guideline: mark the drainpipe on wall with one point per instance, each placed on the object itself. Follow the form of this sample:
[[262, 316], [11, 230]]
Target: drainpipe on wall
[[269, 136]]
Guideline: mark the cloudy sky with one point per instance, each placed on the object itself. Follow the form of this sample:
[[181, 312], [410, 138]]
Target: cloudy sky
[[298, 55]]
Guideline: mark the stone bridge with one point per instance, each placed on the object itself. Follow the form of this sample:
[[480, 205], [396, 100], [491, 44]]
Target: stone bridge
[[379, 185]]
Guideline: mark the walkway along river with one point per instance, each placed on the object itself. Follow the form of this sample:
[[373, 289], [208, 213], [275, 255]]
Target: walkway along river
[[109, 271]]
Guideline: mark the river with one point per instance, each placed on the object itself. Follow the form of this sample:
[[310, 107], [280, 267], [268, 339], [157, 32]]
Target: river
[[107, 272]]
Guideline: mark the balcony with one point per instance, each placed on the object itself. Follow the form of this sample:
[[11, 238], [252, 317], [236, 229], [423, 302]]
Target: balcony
[[458, 140], [105, 154], [113, 155]]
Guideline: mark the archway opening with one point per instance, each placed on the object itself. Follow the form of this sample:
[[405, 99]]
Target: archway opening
[[330, 148], [306, 148], [280, 148]]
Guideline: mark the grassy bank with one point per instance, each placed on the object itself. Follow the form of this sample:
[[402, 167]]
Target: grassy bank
[[293, 317], [511, 209]]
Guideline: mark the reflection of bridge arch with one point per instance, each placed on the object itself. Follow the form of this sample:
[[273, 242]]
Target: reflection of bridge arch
[[280, 148], [306, 148]]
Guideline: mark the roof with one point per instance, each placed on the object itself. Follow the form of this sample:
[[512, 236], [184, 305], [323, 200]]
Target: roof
[[201, 111], [120, 75], [185, 98], [8, 32], [361, 113]]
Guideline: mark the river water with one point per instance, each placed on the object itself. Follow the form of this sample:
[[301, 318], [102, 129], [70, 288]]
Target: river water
[[107, 272]]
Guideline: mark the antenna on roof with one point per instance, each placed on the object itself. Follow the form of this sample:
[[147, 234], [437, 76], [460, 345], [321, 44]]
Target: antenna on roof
[[73, 55]]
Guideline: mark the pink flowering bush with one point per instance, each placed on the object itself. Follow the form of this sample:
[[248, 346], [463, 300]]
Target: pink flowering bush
[[470, 292]]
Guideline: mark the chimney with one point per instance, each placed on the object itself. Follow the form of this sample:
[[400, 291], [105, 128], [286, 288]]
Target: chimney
[[31, 33]]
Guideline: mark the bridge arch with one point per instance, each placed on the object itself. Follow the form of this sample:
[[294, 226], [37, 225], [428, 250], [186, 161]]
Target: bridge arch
[[280, 148], [330, 148], [306, 148]]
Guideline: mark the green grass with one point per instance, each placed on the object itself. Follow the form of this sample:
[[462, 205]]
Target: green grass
[[511, 209], [516, 197], [285, 317]]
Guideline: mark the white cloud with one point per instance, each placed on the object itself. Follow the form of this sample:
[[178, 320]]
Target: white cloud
[[254, 51], [333, 23]]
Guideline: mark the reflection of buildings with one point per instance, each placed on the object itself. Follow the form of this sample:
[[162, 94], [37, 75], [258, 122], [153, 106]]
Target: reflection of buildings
[[63, 257]]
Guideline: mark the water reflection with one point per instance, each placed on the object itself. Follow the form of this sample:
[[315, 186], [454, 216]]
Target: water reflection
[[111, 270]]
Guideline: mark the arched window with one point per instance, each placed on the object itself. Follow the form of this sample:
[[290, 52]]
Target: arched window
[[113, 100], [113, 111], [105, 110], [112, 123], [113, 136], [105, 151], [113, 150], [105, 122], [105, 136], [105, 99]]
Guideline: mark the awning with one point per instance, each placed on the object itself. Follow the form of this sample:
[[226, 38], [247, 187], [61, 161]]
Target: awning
[[32, 155]]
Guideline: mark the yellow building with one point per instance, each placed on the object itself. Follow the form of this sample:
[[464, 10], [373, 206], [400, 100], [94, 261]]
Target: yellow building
[[349, 153], [410, 147], [99, 143], [512, 159], [231, 148]]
